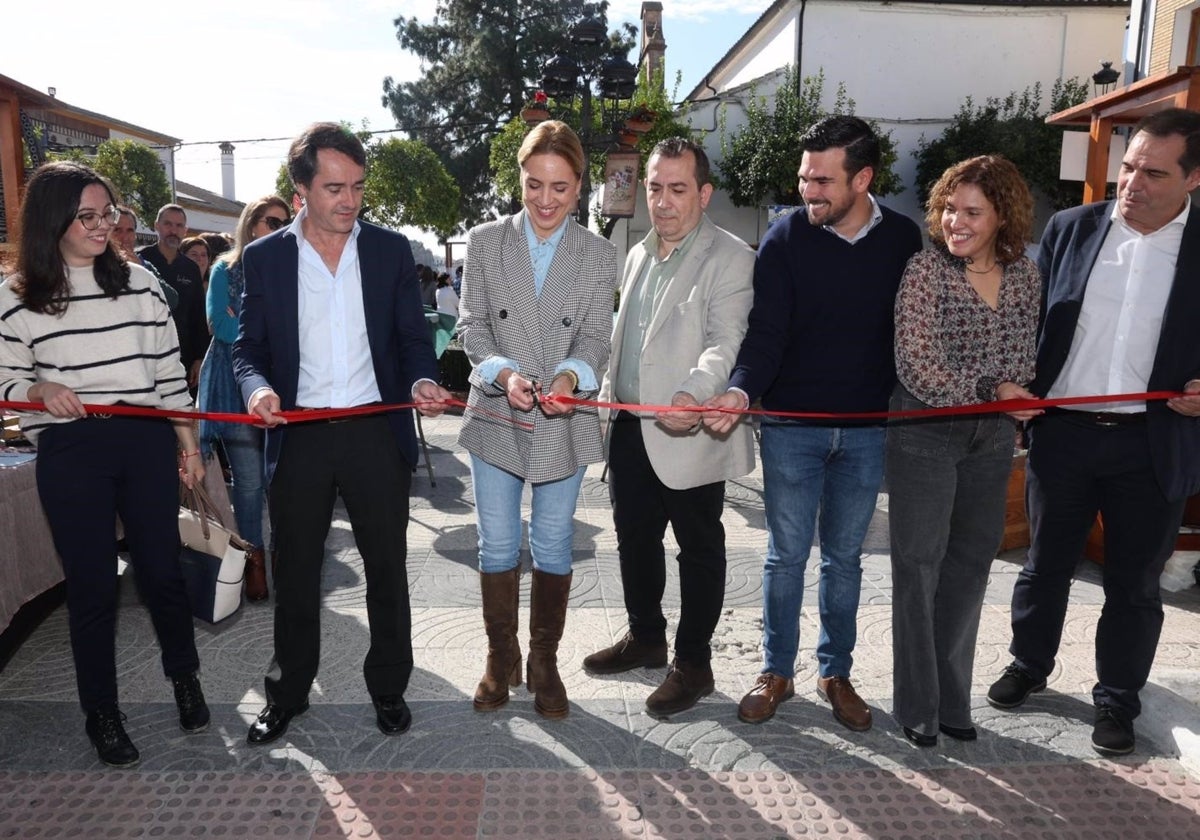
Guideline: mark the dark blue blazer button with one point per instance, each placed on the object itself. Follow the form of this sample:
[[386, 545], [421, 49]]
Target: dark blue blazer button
[[503, 313], [566, 322]]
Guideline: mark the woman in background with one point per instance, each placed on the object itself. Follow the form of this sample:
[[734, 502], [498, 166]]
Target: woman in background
[[966, 326], [219, 392], [80, 324]]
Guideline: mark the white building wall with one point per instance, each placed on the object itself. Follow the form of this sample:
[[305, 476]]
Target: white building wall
[[910, 67]]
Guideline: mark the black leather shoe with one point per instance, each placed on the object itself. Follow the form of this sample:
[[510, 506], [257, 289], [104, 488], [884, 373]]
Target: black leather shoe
[[193, 711], [628, 653], [1113, 732], [272, 722], [1013, 688], [959, 733], [918, 738], [392, 714], [105, 728]]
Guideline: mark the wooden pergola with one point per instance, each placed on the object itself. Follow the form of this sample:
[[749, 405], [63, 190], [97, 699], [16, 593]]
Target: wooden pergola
[[1179, 88]]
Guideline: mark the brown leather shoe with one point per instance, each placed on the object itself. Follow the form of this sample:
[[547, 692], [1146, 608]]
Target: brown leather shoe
[[625, 655], [760, 704], [849, 709], [685, 684], [256, 575]]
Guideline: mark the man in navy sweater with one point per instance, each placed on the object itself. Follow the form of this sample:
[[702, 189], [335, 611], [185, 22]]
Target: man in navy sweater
[[820, 340]]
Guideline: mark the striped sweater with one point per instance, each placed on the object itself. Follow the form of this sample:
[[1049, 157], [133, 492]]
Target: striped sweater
[[105, 350]]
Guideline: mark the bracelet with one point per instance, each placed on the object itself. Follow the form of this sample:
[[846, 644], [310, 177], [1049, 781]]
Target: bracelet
[[183, 456]]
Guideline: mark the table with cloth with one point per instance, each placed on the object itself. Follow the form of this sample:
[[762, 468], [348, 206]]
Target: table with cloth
[[29, 565]]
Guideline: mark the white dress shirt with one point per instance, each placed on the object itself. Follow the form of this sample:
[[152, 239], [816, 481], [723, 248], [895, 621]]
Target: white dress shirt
[[1116, 337], [336, 369]]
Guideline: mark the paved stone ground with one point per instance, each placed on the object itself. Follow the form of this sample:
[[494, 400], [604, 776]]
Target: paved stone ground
[[608, 770]]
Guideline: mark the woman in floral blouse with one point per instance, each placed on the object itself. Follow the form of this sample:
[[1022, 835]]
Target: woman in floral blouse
[[966, 324]]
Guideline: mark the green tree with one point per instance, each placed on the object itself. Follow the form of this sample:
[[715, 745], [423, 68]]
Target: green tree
[[406, 185], [480, 61], [1015, 127], [134, 169], [760, 160]]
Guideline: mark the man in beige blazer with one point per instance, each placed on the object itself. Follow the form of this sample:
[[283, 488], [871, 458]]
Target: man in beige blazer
[[685, 297]]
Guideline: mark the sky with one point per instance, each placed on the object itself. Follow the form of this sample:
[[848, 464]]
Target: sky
[[250, 71]]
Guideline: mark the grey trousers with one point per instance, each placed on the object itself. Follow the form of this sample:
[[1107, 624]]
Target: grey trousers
[[946, 480]]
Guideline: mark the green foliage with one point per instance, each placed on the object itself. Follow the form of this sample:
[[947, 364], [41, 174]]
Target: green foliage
[[481, 59], [134, 169], [407, 185], [1014, 127], [283, 184], [760, 160]]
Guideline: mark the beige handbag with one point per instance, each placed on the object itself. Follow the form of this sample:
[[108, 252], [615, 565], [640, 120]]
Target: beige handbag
[[212, 557]]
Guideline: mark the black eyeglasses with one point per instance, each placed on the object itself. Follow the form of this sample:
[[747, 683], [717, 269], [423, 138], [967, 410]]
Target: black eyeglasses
[[91, 220], [273, 222]]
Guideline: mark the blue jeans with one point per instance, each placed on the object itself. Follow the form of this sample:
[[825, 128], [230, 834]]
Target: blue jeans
[[806, 469], [498, 514], [243, 445]]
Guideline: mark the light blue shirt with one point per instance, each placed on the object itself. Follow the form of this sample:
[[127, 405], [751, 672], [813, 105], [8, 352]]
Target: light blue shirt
[[336, 369], [541, 251], [541, 255]]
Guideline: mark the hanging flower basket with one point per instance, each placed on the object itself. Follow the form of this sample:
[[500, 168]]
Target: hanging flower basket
[[627, 138], [534, 114], [536, 111], [640, 120]]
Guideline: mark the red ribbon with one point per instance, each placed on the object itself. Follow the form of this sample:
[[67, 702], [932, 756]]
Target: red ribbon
[[310, 415], [999, 406]]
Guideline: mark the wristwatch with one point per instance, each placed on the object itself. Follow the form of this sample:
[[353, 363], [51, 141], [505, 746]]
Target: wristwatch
[[985, 388]]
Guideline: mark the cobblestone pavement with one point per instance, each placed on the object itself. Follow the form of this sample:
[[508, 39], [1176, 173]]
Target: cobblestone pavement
[[607, 770]]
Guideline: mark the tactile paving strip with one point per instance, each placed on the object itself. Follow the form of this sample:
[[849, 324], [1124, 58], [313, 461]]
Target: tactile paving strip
[[1150, 801]]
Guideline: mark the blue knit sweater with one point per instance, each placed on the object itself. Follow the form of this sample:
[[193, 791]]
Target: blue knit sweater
[[820, 336]]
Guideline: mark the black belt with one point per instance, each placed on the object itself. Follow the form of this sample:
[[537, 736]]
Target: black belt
[[342, 419], [1102, 419]]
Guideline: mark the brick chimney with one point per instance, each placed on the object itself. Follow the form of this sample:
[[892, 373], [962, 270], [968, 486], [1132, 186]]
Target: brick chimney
[[651, 56]]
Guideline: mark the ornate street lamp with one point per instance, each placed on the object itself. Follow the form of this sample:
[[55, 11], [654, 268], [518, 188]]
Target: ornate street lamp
[[572, 72], [1104, 79]]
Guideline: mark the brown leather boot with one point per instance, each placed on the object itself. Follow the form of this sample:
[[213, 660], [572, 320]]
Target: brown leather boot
[[501, 592], [547, 617], [256, 575]]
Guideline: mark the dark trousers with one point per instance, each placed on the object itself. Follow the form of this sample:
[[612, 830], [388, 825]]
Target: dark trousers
[[947, 480], [1074, 470], [642, 507], [90, 471], [360, 459]]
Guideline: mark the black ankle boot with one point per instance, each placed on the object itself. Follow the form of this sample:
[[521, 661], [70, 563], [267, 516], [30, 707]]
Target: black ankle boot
[[105, 728]]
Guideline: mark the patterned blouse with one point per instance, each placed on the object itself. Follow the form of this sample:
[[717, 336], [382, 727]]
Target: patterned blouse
[[948, 338]]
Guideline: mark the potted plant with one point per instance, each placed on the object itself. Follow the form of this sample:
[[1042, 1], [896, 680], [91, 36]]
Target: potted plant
[[640, 119], [537, 110]]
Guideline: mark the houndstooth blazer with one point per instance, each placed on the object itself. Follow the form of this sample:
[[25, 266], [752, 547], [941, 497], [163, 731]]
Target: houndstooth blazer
[[501, 314]]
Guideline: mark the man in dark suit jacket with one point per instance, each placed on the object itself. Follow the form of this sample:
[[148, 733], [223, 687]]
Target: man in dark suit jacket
[[1122, 301], [332, 317]]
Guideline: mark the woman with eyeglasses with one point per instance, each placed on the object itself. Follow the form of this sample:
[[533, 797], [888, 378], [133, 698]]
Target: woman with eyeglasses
[[219, 391], [80, 325]]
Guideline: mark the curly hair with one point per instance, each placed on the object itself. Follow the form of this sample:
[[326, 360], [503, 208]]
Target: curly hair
[[1001, 183]]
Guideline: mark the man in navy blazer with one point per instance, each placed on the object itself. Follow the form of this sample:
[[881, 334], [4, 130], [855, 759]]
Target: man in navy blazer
[[1120, 315], [332, 318]]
